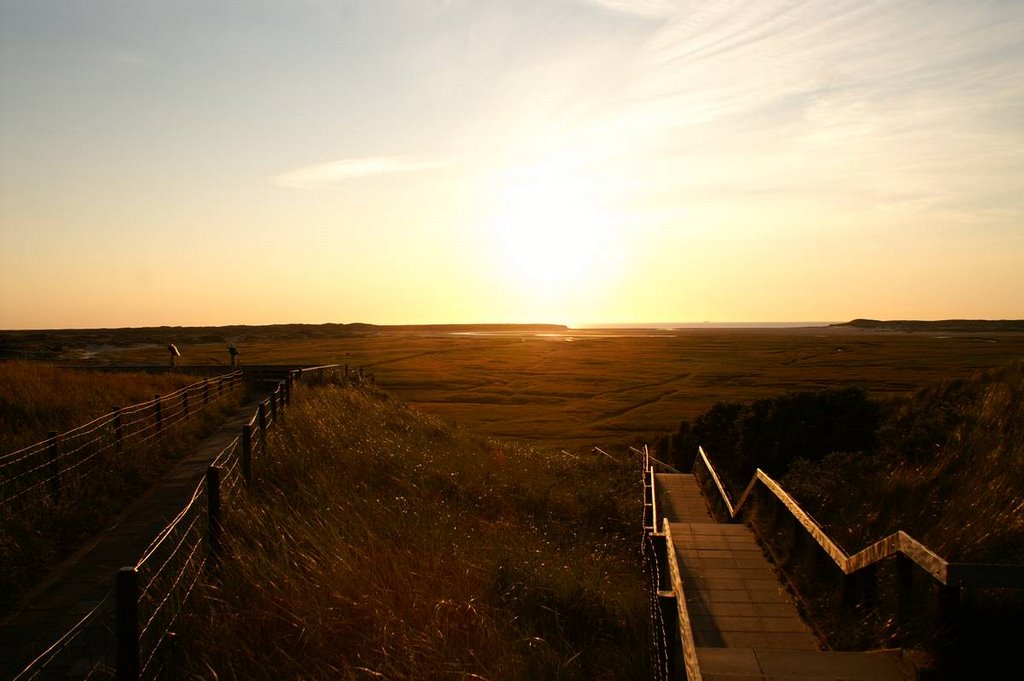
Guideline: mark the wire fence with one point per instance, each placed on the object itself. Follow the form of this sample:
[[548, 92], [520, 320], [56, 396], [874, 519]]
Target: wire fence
[[56, 469], [131, 632]]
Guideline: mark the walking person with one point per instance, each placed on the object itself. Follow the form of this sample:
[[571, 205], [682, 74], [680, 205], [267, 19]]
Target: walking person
[[172, 349], [233, 351]]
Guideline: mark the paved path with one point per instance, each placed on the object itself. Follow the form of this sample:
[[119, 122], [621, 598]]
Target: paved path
[[75, 587], [746, 626]]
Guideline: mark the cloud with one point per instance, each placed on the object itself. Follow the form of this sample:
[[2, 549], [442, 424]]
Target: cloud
[[342, 170]]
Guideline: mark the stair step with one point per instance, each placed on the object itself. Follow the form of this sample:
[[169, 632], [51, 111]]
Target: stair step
[[753, 664]]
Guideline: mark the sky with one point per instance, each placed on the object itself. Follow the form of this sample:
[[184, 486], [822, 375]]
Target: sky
[[213, 162]]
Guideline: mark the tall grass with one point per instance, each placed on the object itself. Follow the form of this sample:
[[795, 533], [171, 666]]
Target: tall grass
[[377, 542], [36, 536], [36, 398]]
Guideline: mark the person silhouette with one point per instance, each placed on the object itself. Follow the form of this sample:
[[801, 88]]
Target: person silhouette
[[233, 351], [172, 349]]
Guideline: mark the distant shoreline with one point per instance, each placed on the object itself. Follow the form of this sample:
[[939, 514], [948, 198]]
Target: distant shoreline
[[669, 326]]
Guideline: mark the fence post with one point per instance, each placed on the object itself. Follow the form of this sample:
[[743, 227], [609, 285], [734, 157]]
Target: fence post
[[159, 414], [669, 610], [206, 391], [273, 406], [53, 454], [261, 421], [213, 528], [288, 388], [118, 429], [184, 402], [905, 584], [247, 453], [126, 597]]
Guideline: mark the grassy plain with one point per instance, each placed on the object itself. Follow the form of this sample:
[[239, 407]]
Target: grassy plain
[[576, 389]]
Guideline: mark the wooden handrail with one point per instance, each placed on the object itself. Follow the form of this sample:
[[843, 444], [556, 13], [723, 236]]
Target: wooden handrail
[[897, 543], [690, 660]]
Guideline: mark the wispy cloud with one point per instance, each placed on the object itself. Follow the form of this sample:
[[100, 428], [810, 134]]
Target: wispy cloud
[[342, 170]]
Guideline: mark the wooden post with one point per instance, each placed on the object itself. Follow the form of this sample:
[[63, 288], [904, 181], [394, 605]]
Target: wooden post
[[949, 604], [206, 391], [53, 454], [247, 453], [261, 421], [126, 597], [670, 619], [273, 407], [184, 403], [660, 544], [213, 528], [905, 587], [288, 389], [158, 413], [118, 429]]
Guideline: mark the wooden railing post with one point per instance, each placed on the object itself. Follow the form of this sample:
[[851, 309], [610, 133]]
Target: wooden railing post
[[126, 596], [213, 524], [206, 391], [670, 618], [53, 455], [118, 429], [660, 544], [261, 422], [247, 453], [949, 604], [905, 585], [288, 389], [184, 403], [158, 413]]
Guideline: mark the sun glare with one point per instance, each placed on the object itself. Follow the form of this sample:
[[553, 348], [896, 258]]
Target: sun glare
[[550, 228]]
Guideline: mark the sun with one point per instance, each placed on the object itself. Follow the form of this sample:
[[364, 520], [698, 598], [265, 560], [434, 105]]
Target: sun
[[550, 228]]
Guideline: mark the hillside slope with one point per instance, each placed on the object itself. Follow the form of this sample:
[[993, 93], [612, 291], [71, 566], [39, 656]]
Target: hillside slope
[[948, 469], [380, 542]]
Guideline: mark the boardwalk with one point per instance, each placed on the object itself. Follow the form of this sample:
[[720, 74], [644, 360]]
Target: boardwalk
[[85, 579], [745, 624]]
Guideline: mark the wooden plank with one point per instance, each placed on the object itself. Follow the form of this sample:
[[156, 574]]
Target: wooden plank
[[926, 559]]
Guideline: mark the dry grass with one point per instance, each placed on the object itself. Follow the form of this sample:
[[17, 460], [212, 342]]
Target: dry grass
[[38, 531], [588, 388], [378, 542], [37, 398]]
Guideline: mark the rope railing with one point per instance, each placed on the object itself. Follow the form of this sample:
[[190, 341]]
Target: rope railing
[[85, 637], [40, 474], [150, 596]]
